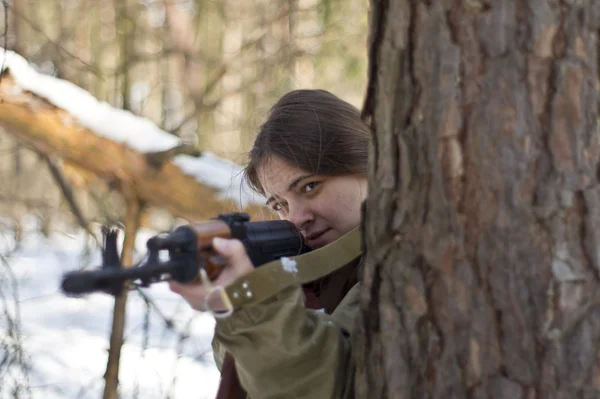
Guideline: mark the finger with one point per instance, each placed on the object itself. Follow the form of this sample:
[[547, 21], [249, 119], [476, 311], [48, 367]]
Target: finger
[[231, 249], [187, 289], [179, 287], [235, 254], [194, 294], [175, 286]]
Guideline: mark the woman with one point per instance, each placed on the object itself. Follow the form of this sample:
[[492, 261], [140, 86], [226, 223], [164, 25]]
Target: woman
[[309, 160]]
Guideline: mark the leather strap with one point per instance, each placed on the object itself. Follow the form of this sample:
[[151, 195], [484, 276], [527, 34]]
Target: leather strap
[[272, 278]]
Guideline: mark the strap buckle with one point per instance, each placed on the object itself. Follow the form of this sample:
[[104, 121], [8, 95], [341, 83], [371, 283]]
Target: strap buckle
[[212, 289]]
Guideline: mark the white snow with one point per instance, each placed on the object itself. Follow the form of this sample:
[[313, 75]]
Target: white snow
[[66, 339], [289, 265]]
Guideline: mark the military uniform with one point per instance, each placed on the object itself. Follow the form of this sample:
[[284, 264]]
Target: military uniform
[[284, 350]]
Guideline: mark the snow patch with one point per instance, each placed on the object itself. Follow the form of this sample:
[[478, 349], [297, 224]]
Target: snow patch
[[289, 265]]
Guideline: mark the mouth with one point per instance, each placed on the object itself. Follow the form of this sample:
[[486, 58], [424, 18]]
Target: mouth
[[317, 239]]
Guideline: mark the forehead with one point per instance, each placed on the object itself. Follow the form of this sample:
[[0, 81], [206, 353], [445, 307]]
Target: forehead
[[276, 175]]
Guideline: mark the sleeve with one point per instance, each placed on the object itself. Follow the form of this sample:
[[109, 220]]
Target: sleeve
[[283, 350]]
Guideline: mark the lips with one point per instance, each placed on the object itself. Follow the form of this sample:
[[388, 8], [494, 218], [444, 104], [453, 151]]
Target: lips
[[316, 239]]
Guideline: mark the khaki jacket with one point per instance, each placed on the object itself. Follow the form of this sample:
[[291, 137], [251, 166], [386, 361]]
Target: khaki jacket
[[283, 350]]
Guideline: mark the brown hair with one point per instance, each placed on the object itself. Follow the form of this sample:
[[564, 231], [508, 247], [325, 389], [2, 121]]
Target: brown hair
[[315, 131]]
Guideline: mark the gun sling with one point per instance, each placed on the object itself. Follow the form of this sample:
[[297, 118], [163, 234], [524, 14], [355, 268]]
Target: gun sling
[[272, 278]]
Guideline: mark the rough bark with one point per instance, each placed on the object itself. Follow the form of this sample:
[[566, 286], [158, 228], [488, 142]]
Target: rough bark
[[482, 226]]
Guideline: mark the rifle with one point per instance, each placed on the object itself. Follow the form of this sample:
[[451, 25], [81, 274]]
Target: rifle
[[189, 251]]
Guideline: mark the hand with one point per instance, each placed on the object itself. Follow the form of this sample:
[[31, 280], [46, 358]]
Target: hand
[[238, 265]]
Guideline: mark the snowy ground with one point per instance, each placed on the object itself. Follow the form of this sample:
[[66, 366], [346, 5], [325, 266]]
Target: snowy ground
[[65, 340]]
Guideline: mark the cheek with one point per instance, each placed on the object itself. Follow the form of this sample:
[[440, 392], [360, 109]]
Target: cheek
[[343, 211]]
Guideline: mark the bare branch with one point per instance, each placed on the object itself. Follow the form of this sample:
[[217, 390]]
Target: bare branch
[[67, 192], [157, 159], [57, 45], [5, 5]]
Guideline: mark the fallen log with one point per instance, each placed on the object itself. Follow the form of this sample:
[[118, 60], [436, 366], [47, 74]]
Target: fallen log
[[61, 120]]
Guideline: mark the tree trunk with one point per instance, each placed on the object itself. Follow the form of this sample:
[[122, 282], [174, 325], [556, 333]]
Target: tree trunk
[[132, 225], [482, 226]]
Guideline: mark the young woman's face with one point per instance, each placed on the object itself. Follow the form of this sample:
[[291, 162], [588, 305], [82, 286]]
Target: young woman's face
[[323, 207]]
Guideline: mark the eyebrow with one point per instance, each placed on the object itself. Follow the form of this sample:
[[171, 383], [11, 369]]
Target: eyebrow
[[292, 186]]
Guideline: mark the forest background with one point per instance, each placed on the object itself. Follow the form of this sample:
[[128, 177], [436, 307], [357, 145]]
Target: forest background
[[205, 71]]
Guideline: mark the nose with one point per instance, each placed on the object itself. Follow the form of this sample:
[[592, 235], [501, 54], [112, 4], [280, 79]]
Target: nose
[[300, 215]]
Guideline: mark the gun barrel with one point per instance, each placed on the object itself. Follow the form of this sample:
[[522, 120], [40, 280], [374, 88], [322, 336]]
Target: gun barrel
[[111, 280]]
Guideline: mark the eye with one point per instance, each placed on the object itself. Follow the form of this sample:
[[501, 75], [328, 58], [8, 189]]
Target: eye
[[310, 186], [278, 206]]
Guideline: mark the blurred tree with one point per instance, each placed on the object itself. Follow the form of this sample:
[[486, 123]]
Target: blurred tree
[[206, 71]]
